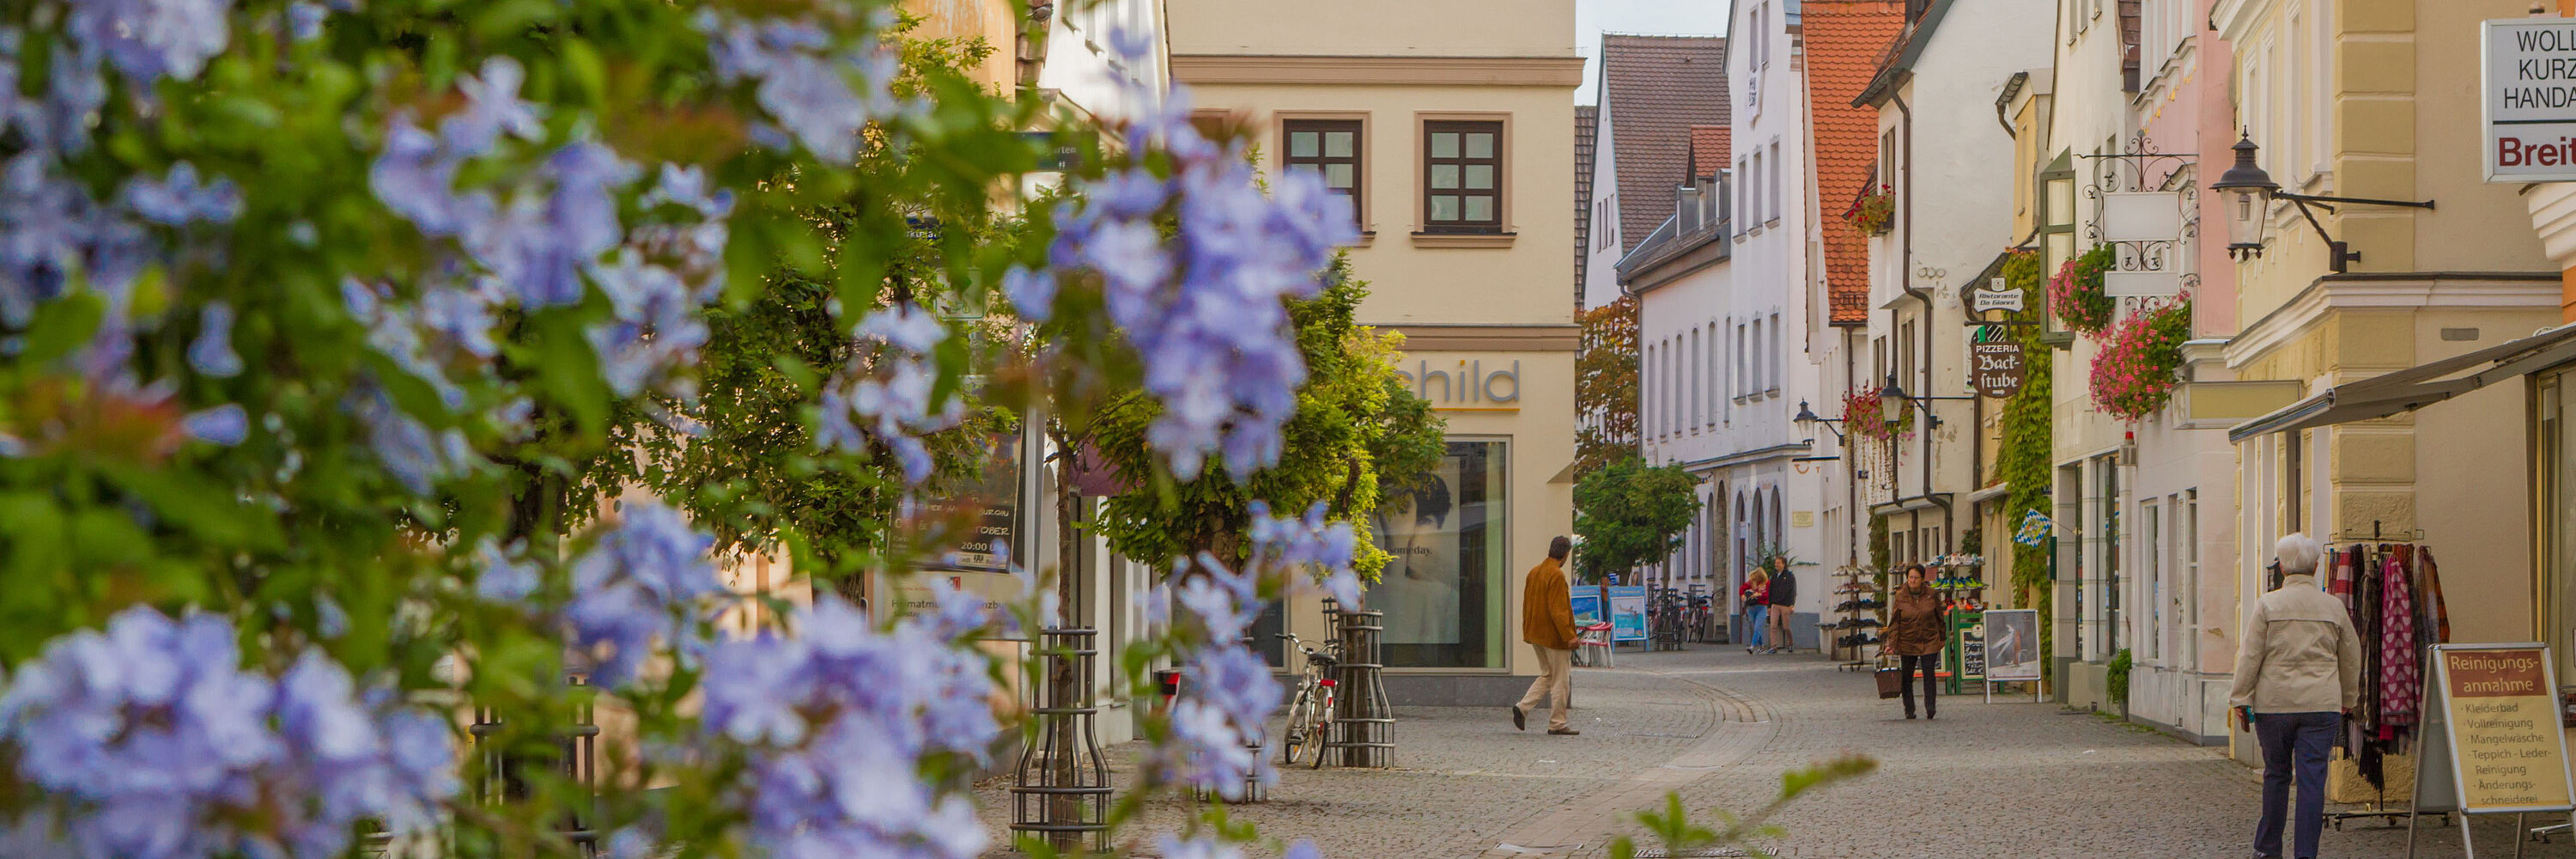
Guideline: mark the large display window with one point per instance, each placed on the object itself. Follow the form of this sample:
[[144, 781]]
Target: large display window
[[1446, 586]]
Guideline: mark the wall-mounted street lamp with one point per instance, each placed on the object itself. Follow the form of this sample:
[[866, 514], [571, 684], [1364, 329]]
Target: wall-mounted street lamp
[[1807, 421], [1892, 401], [2248, 192]]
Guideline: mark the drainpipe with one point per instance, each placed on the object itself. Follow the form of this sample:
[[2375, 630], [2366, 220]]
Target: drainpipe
[[1905, 281]]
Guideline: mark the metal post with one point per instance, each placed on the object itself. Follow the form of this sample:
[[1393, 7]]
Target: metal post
[[1060, 789]]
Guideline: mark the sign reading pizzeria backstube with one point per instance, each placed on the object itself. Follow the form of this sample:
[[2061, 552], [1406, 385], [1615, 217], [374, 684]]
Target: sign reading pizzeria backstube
[[1997, 368]]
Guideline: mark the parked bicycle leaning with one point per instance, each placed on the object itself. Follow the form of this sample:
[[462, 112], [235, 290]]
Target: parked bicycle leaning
[[1310, 711]]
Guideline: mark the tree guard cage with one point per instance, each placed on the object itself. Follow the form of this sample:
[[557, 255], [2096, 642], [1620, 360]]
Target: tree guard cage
[[1363, 728], [1061, 788], [503, 776]]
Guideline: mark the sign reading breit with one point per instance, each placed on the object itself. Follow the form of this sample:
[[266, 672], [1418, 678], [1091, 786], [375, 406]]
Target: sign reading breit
[[2529, 99], [2501, 713]]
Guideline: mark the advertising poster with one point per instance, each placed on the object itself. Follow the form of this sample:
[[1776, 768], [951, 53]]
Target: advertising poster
[[1419, 588], [1628, 613], [2501, 727], [1587, 605], [2011, 648], [988, 510]]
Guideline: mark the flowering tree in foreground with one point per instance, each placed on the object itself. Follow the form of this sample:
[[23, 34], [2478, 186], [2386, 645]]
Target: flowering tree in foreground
[[329, 330], [338, 340]]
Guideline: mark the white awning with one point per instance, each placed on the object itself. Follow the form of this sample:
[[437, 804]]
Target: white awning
[[2418, 386]]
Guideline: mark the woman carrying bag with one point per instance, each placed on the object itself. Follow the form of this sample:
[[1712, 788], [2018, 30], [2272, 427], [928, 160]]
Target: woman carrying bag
[[1757, 608], [1914, 634]]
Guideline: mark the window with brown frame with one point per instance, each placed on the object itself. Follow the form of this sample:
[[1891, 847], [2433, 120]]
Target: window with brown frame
[[1462, 168], [1331, 148]]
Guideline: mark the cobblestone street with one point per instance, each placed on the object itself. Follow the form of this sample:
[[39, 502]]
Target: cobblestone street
[[1719, 727]]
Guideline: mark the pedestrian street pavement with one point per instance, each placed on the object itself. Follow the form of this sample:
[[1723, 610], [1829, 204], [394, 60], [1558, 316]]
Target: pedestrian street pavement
[[1718, 727]]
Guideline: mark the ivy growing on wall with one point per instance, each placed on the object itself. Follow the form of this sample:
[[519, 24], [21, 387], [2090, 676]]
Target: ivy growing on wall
[[2023, 462]]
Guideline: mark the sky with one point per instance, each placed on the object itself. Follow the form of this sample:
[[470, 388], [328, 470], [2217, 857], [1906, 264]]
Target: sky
[[1661, 17]]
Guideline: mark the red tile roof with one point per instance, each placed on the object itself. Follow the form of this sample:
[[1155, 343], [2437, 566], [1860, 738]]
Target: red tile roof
[[1586, 118], [1708, 150], [1845, 40], [1656, 88]]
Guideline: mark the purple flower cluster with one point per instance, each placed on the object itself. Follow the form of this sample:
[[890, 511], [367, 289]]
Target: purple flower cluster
[[836, 720], [149, 742], [641, 582], [822, 92], [1204, 308], [891, 387], [1232, 691]]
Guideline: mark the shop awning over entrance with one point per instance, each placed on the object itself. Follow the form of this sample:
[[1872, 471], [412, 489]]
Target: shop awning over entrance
[[2418, 386]]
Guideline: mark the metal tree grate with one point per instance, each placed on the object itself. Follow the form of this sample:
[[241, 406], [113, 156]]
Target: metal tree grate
[[1694, 853], [1060, 790], [503, 776], [1363, 729]]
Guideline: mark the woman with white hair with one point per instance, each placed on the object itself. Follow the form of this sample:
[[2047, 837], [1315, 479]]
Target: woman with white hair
[[2298, 670]]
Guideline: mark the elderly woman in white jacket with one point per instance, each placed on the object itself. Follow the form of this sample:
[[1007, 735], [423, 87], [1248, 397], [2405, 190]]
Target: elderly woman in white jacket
[[2298, 670]]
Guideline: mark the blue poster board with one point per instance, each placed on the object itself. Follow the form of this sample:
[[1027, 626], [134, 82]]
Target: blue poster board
[[1628, 613], [1587, 606]]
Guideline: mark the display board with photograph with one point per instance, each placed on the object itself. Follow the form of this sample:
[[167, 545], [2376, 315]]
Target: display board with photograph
[[1628, 613], [1587, 605], [1447, 577], [2011, 645]]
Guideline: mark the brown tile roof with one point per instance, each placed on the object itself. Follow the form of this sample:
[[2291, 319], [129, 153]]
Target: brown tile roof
[[1708, 150], [1656, 88], [1586, 118], [1845, 40]]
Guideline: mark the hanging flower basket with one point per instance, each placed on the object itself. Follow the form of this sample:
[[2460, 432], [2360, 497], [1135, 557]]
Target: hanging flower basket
[[2139, 365], [1861, 418], [2076, 294], [1874, 212]]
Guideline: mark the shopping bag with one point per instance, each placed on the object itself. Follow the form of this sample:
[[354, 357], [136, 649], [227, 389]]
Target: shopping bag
[[1891, 681]]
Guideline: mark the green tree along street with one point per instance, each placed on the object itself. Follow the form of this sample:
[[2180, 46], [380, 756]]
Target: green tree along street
[[1357, 434], [1628, 513]]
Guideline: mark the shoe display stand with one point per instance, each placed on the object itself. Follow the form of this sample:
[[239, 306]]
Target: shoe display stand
[[1960, 580], [1861, 602]]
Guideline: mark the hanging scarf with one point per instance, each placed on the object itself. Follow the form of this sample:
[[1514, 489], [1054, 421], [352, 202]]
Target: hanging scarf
[[2399, 681], [2440, 627]]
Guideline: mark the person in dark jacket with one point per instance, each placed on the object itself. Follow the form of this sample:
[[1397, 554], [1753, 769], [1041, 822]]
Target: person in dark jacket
[[1914, 634], [1784, 602]]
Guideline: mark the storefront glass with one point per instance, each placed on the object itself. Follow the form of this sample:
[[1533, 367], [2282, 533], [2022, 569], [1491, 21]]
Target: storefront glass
[[2557, 475], [1444, 590]]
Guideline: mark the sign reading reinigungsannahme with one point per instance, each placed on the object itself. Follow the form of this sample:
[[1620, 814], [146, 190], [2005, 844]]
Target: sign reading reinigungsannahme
[[2527, 99], [2499, 709]]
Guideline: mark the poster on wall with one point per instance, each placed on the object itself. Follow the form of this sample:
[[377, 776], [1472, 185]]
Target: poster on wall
[[1628, 613], [2011, 648], [1443, 584], [989, 510]]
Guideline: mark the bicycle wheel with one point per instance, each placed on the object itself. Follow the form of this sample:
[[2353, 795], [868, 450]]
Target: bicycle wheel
[[1294, 740], [1322, 722]]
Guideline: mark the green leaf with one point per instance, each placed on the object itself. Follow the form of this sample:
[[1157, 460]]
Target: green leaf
[[62, 325]]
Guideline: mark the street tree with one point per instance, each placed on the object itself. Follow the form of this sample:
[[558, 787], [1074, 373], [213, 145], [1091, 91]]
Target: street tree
[[1605, 385], [1629, 513]]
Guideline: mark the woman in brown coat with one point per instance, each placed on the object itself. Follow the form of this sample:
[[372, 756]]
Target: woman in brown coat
[[1914, 634]]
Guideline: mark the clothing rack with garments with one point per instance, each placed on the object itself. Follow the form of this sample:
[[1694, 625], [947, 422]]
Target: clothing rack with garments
[[1860, 604], [2391, 585]]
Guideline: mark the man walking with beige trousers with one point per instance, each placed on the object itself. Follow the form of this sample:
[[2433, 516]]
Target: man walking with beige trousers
[[1547, 623]]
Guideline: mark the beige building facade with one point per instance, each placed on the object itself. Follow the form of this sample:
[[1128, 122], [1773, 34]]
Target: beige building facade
[[1447, 124], [2376, 100]]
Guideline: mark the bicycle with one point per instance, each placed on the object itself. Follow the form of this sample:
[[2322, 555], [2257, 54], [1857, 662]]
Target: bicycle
[[1310, 713]]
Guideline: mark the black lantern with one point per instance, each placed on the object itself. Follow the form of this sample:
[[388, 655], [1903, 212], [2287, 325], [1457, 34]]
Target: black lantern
[[1891, 401], [2247, 192], [1807, 420]]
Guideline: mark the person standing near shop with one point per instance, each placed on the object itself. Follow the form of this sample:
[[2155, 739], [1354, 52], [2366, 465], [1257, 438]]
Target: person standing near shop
[[2298, 671], [1547, 623], [1757, 609], [1784, 604], [1915, 622]]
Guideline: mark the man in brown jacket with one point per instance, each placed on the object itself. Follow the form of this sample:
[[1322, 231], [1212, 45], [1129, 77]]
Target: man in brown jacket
[[1547, 623]]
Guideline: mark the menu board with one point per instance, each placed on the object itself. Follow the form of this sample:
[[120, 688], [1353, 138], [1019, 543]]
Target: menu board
[[2498, 712]]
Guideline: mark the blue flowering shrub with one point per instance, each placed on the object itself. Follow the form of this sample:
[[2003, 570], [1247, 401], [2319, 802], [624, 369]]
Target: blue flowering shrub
[[343, 344]]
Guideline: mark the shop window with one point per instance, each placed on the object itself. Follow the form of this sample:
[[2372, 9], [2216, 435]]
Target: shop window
[[1462, 165], [2556, 448], [1331, 149], [1446, 585]]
